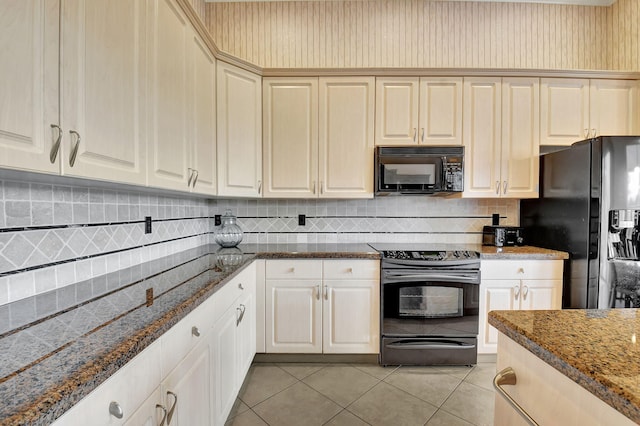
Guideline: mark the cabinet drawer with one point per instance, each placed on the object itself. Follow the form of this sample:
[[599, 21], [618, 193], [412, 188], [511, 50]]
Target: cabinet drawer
[[521, 269], [288, 269], [240, 284], [351, 269]]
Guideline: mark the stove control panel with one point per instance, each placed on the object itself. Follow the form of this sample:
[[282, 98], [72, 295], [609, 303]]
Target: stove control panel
[[430, 255]]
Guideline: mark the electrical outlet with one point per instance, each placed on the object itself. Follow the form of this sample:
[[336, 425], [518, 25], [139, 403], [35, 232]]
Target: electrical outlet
[[302, 220], [147, 224], [217, 220], [495, 219]]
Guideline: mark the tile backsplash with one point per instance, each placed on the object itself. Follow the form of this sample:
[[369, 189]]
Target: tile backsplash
[[54, 235]]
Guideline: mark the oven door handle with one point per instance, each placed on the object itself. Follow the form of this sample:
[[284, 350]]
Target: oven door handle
[[472, 278], [410, 345]]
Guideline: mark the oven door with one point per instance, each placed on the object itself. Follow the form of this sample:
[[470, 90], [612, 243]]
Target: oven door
[[435, 304]]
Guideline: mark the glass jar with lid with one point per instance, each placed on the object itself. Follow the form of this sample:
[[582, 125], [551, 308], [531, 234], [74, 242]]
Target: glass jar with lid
[[228, 233]]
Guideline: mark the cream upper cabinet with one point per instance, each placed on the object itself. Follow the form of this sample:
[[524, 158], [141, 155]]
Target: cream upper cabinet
[[411, 110], [482, 136], [346, 140], [169, 146], [576, 109], [613, 108], [318, 137], [290, 138], [103, 49], [29, 85], [501, 134], [239, 122], [516, 285], [202, 125], [74, 93]]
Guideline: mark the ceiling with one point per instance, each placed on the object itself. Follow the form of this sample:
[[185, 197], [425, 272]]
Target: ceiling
[[574, 2]]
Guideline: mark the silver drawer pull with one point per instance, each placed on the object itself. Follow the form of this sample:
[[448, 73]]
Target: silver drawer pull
[[508, 377], [173, 407], [195, 331], [240, 286], [116, 410]]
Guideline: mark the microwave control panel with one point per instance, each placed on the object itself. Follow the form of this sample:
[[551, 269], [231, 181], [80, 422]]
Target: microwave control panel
[[453, 174]]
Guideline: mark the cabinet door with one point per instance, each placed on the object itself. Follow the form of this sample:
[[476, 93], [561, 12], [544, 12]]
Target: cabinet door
[[564, 110], [148, 414], [203, 117], [239, 121], [613, 107], [520, 137], [440, 111], [187, 390], [482, 136], [170, 70], [351, 316], [225, 365], [397, 111], [290, 161], [246, 329], [346, 137], [29, 84], [494, 295], [294, 316], [103, 56], [541, 294]]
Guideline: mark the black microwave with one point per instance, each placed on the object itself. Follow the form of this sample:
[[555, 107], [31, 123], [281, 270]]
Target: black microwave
[[419, 169]]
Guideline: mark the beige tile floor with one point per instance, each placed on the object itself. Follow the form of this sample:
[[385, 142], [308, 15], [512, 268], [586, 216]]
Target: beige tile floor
[[362, 394]]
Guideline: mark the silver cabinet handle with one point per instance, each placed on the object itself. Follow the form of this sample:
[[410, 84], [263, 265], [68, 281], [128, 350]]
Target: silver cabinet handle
[[595, 133], [55, 148], [241, 311], [318, 292], [173, 407], [422, 134], [314, 186], [240, 286], [508, 377], [164, 414], [497, 187], [321, 187], [259, 187], [195, 179], [525, 291], [116, 410], [326, 293], [190, 171], [195, 331], [415, 133], [586, 133], [504, 187], [516, 292], [74, 152]]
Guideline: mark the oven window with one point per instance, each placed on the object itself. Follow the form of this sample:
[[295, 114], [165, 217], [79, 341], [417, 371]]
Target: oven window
[[431, 302]]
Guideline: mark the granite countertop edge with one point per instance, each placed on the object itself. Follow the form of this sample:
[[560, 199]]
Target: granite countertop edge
[[600, 390], [521, 252]]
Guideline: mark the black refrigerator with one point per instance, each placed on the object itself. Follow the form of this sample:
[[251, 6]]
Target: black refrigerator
[[589, 206]]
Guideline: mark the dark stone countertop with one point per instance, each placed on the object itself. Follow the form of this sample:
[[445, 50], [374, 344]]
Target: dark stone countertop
[[521, 252], [597, 349], [57, 347]]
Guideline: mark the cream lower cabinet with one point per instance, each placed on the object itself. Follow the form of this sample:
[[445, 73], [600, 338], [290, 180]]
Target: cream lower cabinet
[[516, 285], [501, 137], [73, 88], [318, 137], [192, 373], [547, 395], [322, 306], [412, 110], [239, 131], [575, 109]]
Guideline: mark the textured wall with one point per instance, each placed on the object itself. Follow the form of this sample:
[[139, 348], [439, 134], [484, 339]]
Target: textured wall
[[428, 34]]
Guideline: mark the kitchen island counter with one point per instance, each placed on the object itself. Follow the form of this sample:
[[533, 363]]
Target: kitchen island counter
[[597, 349], [56, 347]]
